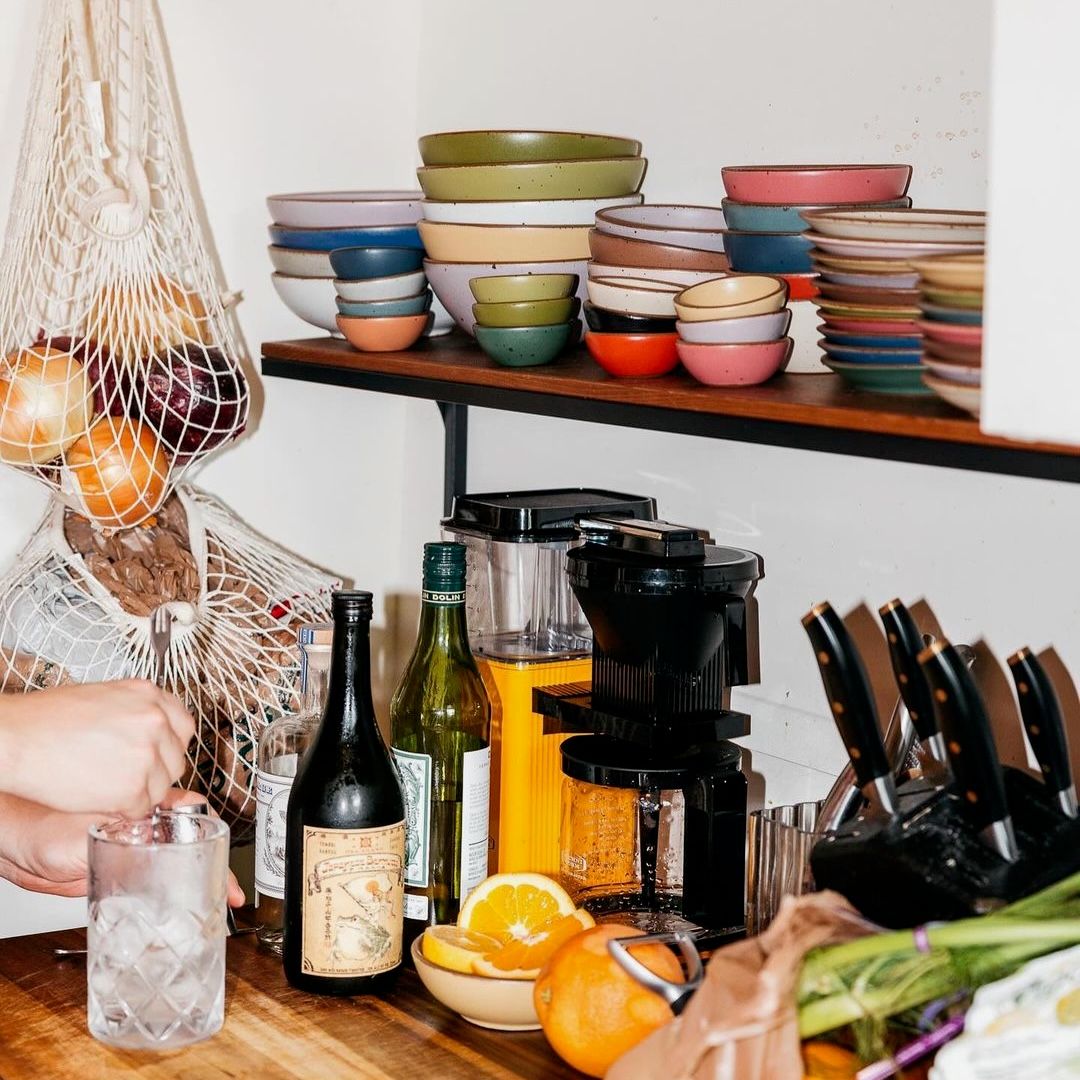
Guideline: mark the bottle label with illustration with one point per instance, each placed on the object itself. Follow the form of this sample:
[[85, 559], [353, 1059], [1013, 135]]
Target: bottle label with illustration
[[417, 907], [415, 772], [443, 599], [353, 900], [476, 793], [271, 802]]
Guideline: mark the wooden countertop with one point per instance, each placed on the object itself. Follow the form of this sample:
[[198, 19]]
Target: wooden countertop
[[271, 1032]]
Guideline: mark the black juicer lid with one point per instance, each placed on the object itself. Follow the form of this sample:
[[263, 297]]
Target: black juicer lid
[[658, 558], [545, 516], [599, 759]]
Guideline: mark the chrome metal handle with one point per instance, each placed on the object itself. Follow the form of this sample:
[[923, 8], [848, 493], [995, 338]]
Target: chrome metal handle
[[676, 994]]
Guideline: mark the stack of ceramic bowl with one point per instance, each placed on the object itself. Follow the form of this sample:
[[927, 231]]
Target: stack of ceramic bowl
[[631, 323], [507, 203], [951, 301], [765, 202], [732, 331], [309, 225], [869, 302], [525, 320]]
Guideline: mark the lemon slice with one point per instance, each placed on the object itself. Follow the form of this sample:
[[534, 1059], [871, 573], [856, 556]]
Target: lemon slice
[[523, 958], [455, 949], [513, 906]]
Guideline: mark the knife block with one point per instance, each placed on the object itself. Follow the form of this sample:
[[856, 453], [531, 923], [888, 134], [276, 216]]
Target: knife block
[[929, 863]]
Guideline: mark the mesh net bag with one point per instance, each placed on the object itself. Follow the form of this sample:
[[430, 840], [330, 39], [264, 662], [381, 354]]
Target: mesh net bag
[[76, 607], [119, 361]]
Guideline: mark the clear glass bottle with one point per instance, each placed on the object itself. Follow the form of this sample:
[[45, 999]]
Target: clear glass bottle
[[280, 747]]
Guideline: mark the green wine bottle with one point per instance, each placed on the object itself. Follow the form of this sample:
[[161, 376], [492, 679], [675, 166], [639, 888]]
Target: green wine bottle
[[440, 723]]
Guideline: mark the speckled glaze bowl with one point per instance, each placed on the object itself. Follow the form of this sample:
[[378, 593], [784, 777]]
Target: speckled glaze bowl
[[389, 236], [344, 209], [384, 335], [786, 184], [370, 309], [513, 288], [589, 178], [780, 217], [528, 312], [625, 250], [699, 227], [767, 253], [731, 297], [737, 364], [525, 346], [495, 146], [504, 243]]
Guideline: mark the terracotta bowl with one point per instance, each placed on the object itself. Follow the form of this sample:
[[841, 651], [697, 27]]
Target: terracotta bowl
[[750, 328], [735, 364], [626, 251], [815, 183], [731, 297], [698, 227], [384, 335], [634, 296], [634, 356], [478, 147], [504, 243]]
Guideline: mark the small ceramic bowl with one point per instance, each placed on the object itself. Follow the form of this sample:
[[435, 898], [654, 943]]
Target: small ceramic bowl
[[634, 296], [634, 356], [375, 309], [512, 288], [584, 178], [294, 263], [738, 364], [528, 312], [767, 252], [344, 209], [776, 217], [625, 251], [384, 335], [501, 1004], [751, 328], [602, 321], [527, 212], [731, 297], [504, 243], [496, 146], [352, 263], [310, 299], [786, 184], [699, 227], [394, 287], [388, 236], [525, 346]]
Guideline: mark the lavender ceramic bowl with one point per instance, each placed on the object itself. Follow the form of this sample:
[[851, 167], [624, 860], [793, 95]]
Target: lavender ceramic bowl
[[750, 328], [698, 227]]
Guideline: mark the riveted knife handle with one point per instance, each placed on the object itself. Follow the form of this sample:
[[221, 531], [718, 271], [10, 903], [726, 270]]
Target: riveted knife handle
[[1040, 710], [905, 644]]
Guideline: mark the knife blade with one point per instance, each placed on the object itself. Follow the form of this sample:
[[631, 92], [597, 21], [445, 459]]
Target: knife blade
[[961, 716], [905, 644], [847, 689], [1040, 710]]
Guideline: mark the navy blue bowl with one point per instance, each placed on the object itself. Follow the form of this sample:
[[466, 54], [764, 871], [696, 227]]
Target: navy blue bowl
[[871, 341], [390, 236], [851, 354], [768, 252], [767, 217], [601, 321], [355, 263]]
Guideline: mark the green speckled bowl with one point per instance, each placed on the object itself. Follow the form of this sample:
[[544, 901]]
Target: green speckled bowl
[[524, 346], [881, 379], [528, 312], [513, 288], [485, 147], [589, 178]]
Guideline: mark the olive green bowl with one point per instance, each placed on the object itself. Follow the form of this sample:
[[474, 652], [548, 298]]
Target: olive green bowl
[[485, 147], [527, 312], [590, 178], [513, 288], [524, 346]]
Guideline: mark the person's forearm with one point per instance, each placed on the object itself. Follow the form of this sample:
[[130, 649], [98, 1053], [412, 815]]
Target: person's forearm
[[11, 765]]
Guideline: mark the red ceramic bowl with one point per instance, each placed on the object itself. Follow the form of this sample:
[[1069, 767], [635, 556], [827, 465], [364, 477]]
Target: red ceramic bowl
[[735, 365], [785, 184], [634, 356]]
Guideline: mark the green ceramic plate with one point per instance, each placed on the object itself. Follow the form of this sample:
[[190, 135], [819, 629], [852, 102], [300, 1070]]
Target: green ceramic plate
[[527, 312], [511, 288], [524, 346], [865, 311], [485, 147], [961, 298], [593, 178], [881, 379]]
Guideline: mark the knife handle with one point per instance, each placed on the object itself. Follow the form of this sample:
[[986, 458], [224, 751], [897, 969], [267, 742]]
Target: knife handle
[[848, 691], [1041, 713], [905, 644], [969, 742]]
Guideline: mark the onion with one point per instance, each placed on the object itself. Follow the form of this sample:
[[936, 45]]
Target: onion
[[109, 380], [45, 404], [120, 471]]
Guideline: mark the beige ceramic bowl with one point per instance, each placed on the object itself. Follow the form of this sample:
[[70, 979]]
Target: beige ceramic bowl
[[502, 1004], [731, 297], [446, 242], [387, 334], [952, 271], [634, 296]]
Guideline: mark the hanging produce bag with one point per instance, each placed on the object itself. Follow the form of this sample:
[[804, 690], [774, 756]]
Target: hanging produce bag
[[76, 607], [119, 364]]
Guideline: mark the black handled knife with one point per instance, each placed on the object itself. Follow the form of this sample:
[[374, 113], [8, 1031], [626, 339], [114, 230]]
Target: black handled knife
[[969, 743], [848, 691], [1041, 713], [905, 644]]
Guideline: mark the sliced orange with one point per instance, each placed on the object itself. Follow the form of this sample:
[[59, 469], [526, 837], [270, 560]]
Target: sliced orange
[[523, 958], [513, 906], [456, 949]]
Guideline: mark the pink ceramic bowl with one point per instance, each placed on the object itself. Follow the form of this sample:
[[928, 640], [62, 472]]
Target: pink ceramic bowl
[[784, 184], [736, 364]]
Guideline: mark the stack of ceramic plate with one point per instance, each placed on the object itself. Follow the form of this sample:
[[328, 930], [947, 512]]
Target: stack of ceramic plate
[[507, 203], [765, 204], [869, 302], [525, 320], [951, 301]]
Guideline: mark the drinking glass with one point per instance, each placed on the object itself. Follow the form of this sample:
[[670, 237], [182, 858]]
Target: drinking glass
[[778, 859], [156, 931]]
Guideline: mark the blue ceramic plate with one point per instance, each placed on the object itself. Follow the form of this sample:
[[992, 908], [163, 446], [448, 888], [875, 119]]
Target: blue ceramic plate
[[961, 316], [881, 378], [394, 236], [356, 263], [849, 354], [763, 217], [767, 252], [871, 341], [411, 305]]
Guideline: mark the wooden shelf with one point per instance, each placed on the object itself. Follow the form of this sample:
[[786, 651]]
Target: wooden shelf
[[811, 412]]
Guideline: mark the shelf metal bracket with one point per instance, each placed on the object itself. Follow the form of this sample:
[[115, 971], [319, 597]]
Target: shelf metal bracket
[[455, 451]]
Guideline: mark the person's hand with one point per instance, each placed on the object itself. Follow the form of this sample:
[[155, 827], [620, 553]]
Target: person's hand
[[110, 748]]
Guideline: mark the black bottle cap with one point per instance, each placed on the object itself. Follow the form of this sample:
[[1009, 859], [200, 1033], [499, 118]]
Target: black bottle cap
[[352, 606]]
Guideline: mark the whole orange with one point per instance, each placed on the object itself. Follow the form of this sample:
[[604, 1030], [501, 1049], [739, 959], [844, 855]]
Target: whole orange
[[591, 1011]]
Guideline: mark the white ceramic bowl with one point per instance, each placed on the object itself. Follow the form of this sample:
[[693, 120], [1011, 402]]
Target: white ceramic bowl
[[747, 329], [889, 249], [968, 398], [345, 209], [397, 287], [310, 299], [535, 212], [634, 296], [699, 227], [920, 226], [686, 278], [295, 262], [450, 283]]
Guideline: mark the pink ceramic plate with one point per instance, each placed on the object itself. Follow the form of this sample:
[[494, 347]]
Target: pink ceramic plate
[[952, 333], [786, 184], [735, 365], [870, 326]]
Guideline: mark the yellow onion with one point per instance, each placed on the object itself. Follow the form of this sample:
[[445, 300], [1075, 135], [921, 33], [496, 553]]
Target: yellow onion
[[45, 404], [134, 320], [119, 470]]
